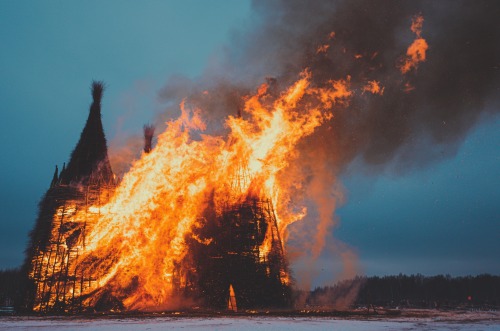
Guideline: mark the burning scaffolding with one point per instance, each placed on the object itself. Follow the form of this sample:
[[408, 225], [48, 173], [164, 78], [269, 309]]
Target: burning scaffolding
[[58, 238], [233, 252], [233, 264]]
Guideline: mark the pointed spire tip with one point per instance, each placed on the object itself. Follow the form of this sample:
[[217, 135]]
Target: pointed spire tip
[[97, 90]]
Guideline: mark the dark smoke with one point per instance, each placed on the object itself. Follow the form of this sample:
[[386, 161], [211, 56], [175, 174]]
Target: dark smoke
[[452, 89]]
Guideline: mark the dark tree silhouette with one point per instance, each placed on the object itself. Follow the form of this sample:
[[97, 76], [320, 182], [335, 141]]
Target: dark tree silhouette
[[415, 291]]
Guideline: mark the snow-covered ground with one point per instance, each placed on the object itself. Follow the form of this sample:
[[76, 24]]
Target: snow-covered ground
[[465, 321]]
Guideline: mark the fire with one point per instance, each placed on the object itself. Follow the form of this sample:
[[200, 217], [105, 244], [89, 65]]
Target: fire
[[416, 52], [139, 242], [373, 87], [322, 48], [138, 238], [416, 24]]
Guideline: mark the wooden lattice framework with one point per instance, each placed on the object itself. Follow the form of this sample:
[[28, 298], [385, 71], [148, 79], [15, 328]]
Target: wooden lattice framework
[[58, 280]]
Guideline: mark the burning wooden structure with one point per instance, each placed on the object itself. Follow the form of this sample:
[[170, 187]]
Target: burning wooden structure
[[229, 260], [226, 259], [58, 239]]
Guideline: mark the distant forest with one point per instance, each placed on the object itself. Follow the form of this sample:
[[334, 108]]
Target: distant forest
[[12, 288], [401, 291], [415, 291]]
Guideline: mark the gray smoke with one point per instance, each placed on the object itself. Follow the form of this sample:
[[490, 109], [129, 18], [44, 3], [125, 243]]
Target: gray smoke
[[452, 90], [422, 116]]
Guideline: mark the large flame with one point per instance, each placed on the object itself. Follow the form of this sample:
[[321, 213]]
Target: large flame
[[136, 239]]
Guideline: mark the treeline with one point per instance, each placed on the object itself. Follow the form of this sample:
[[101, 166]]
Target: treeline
[[11, 288], [415, 291]]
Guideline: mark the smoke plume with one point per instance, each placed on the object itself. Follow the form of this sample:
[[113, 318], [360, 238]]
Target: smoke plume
[[421, 74]]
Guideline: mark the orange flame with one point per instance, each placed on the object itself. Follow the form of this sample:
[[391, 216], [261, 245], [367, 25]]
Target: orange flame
[[373, 87], [416, 52], [136, 239], [322, 48], [416, 24]]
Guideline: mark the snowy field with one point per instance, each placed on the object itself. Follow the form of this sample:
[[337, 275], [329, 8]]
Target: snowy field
[[436, 322]]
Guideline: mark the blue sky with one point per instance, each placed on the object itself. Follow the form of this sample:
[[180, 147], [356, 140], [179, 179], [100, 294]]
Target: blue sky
[[443, 218], [52, 50]]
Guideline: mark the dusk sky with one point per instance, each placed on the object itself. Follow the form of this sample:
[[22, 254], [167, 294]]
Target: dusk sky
[[437, 216]]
